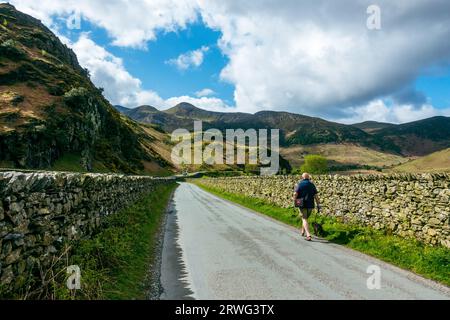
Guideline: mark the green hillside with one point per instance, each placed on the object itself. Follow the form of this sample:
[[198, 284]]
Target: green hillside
[[373, 126], [51, 115], [418, 138], [435, 162], [350, 156]]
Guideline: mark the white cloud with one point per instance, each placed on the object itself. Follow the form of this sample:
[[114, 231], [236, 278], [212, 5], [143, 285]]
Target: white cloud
[[129, 23], [319, 58], [378, 110], [316, 58], [121, 88], [205, 93], [189, 59], [107, 71]]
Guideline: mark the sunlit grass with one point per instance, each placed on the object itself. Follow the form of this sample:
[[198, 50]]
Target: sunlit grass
[[120, 256]]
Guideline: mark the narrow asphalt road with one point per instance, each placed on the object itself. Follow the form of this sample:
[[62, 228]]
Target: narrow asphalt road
[[214, 249]]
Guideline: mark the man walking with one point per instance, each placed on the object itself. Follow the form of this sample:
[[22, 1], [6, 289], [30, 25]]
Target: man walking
[[305, 194]]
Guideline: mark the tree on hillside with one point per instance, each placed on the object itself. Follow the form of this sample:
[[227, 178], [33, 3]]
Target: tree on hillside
[[315, 164]]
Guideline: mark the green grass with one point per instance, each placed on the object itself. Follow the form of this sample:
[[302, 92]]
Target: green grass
[[72, 163], [410, 254], [68, 162], [115, 264]]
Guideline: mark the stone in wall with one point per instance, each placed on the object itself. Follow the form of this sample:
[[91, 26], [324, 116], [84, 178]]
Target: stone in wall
[[409, 205], [41, 211]]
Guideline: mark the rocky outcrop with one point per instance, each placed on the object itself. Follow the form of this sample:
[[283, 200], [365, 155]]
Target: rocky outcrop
[[50, 110], [409, 205], [40, 212]]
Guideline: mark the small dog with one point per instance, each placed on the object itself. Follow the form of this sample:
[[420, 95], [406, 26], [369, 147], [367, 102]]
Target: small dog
[[318, 229]]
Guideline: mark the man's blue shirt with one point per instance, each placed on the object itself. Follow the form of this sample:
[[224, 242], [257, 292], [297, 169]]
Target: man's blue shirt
[[307, 190]]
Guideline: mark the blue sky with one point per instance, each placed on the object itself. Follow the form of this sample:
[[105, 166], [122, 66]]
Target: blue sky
[[436, 87], [151, 66], [318, 59]]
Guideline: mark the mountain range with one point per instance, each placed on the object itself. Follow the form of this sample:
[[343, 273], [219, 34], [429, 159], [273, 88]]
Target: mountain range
[[410, 139]]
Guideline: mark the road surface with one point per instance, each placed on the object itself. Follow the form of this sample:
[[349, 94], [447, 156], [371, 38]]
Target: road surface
[[214, 249]]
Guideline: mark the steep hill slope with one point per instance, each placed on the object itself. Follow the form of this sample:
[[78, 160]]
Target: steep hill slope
[[51, 112], [419, 138], [373, 126], [300, 129], [121, 109], [350, 156], [435, 162]]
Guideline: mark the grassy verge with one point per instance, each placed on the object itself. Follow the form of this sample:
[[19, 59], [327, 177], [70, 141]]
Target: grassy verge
[[409, 254], [115, 264]]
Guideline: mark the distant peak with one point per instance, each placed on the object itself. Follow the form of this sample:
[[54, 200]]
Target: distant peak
[[265, 112], [146, 106], [186, 106], [371, 122], [183, 108]]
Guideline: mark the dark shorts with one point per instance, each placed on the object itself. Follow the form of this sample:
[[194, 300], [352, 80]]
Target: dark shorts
[[306, 212]]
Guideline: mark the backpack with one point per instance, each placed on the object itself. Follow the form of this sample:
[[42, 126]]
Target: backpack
[[299, 203]]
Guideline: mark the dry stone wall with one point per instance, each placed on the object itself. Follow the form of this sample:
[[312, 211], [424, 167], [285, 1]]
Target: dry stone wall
[[39, 212], [410, 205]]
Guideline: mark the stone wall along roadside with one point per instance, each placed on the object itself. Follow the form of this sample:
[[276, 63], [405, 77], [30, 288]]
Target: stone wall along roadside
[[409, 205], [41, 211]]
